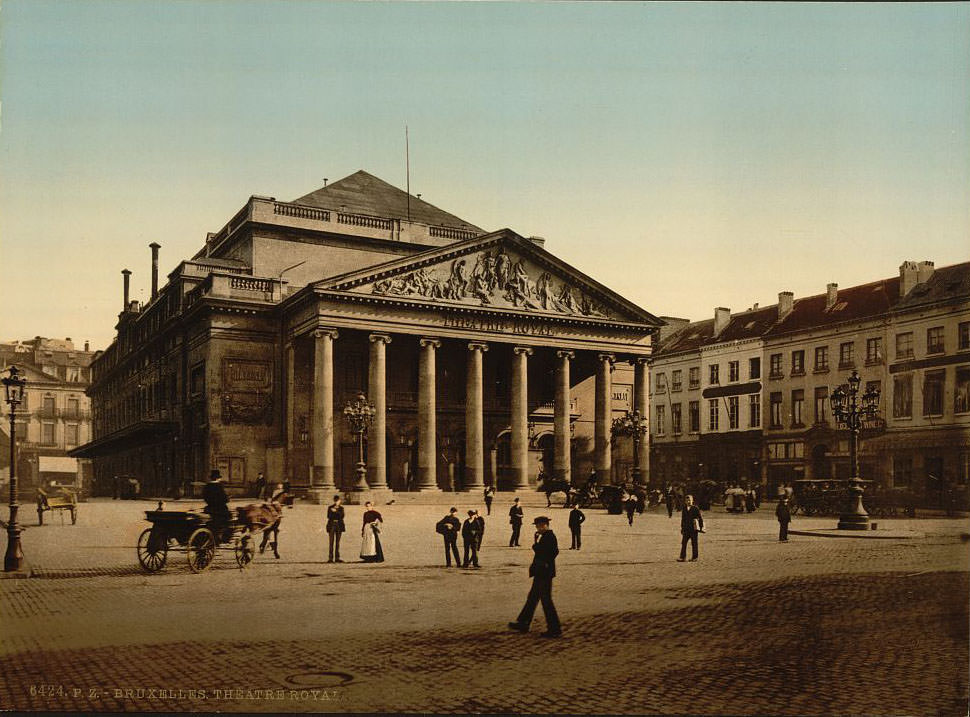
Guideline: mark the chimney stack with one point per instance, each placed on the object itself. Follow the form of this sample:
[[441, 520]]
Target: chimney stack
[[127, 275], [786, 301], [831, 295], [722, 317], [908, 277], [924, 270], [87, 346], [155, 247]]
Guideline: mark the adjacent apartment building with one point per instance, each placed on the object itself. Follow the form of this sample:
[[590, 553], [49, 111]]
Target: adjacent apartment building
[[55, 416], [908, 335]]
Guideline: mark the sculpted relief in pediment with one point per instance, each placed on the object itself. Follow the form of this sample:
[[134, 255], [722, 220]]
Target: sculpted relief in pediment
[[493, 279]]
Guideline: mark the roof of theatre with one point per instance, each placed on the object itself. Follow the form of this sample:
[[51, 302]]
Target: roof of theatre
[[363, 193], [854, 303]]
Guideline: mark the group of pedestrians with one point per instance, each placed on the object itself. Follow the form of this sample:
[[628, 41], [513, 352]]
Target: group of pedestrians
[[371, 548], [472, 531]]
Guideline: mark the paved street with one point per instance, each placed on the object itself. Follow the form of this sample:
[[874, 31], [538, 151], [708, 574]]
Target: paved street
[[814, 626]]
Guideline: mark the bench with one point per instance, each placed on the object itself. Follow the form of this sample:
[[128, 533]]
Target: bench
[[66, 500]]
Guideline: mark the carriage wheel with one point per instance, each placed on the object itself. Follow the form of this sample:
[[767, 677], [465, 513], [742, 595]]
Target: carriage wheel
[[152, 551], [200, 549], [244, 551]]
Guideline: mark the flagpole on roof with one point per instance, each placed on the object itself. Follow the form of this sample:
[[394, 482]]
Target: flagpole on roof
[[407, 168]]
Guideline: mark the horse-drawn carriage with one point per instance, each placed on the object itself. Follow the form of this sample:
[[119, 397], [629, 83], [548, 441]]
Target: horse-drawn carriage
[[200, 537]]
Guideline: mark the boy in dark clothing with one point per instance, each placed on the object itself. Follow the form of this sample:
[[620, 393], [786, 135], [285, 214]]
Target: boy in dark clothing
[[576, 520]]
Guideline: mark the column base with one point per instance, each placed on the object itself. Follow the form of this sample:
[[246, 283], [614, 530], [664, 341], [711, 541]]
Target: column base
[[25, 571], [377, 496], [853, 521], [321, 495]]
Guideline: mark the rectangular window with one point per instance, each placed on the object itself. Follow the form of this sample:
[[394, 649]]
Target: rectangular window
[[797, 363], [775, 368], [904, 345], [712, 415], [821, 358], [963, 335], [934, 340], [48, 407], [675, 418], [797, 404], [197, 379], [754, 368], [73, 407], [847, 355], [734, 371], [73, 374], [715, 370], [933, 393], [47, 434], [694, 416], [873, 350], [903, 396], [961, 397], [902, 471], [695, 377], [70, 434], [677, 379], [821, 403], [660, 420], [775, 404], [660, 383], [754, 411], [733, 412]]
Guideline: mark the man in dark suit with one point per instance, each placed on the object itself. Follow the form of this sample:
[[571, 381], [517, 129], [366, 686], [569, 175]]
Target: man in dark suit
[[542, 570], [783, 513], [691, 523], [480, 522], [449, 527], [335, 528], [216, 503], [515, 519], [470, 536], [489, 495], [576, 520]]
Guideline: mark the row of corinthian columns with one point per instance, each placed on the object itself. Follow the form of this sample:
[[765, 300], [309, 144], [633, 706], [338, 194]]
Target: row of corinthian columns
[[322, 476]]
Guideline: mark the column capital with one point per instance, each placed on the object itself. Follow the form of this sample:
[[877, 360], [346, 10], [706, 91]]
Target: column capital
[[607, 357], [478, 346], [426, 341], [527, 350], [375, 338], [565, 354], [324, 332], [639, 361]]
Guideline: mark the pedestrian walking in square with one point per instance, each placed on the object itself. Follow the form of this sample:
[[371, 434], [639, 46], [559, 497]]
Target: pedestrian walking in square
[[630, 505], [783, 513], [335, 529], [542, 571], [489, 495], [515, 519], [371, 550], [669, 500], [470, 536], [480, 521], [448, 527], [691, 524], [576, 520]]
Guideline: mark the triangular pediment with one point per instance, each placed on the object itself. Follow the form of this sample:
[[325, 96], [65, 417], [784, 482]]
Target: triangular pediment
[[501, 270]]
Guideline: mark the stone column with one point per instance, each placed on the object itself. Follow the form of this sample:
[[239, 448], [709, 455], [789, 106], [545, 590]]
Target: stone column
[[377, 434], [427, 479], [602, 422], [641, 403], [321, 477], [520, 416], [290, 418], [563, 463], [474, 421]]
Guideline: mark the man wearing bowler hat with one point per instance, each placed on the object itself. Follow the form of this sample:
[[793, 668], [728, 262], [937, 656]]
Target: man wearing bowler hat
[[543, 570]]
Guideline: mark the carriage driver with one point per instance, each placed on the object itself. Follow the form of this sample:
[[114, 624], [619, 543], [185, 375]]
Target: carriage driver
[[216, 501]]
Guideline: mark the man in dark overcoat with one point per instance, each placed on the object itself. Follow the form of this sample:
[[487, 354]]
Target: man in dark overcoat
[[448, 527], [576, 520], [216, 502], [783, 513], [470, 536], [335, 528], [543, 570], [691, 523], [515, 520]]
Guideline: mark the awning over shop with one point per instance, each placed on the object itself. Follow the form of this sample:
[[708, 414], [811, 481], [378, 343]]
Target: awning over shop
[[138, 434], [57, 464]]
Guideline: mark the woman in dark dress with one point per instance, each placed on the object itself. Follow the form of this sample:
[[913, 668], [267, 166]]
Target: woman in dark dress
[[370, 533]]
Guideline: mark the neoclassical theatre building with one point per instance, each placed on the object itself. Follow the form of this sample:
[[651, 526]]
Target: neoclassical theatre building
[[487, 359]]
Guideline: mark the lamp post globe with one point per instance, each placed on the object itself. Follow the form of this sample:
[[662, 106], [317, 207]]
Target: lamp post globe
[[359, 414], [13, 390], [631, 424]]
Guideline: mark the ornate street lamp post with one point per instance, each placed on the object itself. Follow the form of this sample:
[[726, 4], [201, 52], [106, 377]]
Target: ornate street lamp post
[[632, 424], [360, 414], [13, 387], [852, 410]]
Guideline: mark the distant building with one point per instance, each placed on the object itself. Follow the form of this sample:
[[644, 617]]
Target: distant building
[[55, 416], [487, 358], [908, 336]]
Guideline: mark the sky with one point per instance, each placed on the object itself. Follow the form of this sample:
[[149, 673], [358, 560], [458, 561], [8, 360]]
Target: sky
[[686, 155]]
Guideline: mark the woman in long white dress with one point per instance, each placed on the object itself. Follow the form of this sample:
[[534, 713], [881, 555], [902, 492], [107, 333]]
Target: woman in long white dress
[[371, 550]]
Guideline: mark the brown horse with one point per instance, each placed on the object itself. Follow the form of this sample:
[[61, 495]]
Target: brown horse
[[265, 518]]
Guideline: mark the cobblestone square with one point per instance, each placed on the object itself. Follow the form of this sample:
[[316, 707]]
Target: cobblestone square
[[814, 626]]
